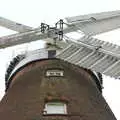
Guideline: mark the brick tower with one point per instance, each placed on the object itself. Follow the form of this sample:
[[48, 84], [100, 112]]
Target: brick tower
[[41, 87]]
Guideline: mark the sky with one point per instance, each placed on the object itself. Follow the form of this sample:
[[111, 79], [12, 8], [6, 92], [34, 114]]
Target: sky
[[33, 12]]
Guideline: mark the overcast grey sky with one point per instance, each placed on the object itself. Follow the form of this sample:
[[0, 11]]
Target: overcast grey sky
[[33, 12]]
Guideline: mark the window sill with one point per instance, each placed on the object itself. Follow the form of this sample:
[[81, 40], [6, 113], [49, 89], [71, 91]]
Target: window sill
[[55, 114]]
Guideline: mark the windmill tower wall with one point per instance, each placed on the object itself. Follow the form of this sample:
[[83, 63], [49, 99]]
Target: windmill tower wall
[[38, 80]]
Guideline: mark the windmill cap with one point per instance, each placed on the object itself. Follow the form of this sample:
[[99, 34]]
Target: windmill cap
[[41, 54]]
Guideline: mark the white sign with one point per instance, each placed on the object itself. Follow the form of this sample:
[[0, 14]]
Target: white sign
[[55, 73]]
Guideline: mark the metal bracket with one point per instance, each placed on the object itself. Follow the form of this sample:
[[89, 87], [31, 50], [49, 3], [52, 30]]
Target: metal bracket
[[54, 32]]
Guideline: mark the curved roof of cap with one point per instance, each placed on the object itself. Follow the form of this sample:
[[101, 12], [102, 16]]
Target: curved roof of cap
[[21, 60]]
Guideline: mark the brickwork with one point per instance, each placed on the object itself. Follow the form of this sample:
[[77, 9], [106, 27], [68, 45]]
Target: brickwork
[[30, 89]]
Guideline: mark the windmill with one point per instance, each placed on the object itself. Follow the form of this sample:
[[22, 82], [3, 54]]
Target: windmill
[[86, 56]]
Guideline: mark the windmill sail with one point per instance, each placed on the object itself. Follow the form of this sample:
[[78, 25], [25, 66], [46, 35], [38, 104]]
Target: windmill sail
[[14, 25], [93, 24], [21, 38], [94, 54]]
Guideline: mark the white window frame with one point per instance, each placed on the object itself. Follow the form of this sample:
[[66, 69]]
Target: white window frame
[[46, 111]]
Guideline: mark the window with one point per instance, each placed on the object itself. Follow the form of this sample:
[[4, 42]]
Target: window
[[51, 53], [55, 108]]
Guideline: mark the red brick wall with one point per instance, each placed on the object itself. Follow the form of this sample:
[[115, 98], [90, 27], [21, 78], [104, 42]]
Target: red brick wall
[[30, 88]]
